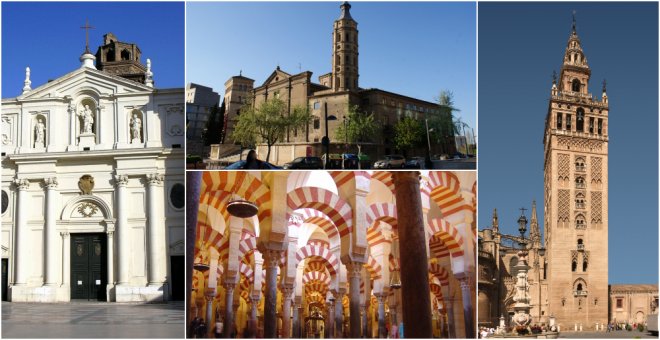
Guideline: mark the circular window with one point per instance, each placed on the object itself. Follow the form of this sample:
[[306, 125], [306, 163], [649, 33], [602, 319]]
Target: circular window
[[5, 201], [178, 196]]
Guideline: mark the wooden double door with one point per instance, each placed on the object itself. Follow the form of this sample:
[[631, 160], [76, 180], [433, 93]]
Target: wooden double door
[[89, 271]]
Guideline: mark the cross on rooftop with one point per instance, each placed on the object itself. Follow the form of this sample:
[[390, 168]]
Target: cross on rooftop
[[87, 27]]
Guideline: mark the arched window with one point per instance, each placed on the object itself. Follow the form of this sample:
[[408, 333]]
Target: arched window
[[559, 123], [575, 85], [580, 222], [512, 266], [584, 265], [338, 60], [579, 182], [579, 287], [579, 164], [125, 55], [579, 201], [579, 120], [580, 245], [574, 266], [110, 55]]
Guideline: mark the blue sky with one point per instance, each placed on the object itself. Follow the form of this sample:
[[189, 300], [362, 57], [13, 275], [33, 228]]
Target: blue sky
[[47, 37], [415, 49], [519, 47]]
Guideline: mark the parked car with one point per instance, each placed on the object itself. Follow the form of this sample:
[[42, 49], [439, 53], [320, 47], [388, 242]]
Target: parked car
[[240, 164], [459, 155], [415, 163], [391, 161], [304, 163]]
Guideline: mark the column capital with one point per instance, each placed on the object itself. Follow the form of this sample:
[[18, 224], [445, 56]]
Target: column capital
[[22, 183], [50, 182], [110, 233], [209, 293], [229, 285], [354, 268], [65, 234], [121, 180], [272, 258], [287, 290], [155, 179]]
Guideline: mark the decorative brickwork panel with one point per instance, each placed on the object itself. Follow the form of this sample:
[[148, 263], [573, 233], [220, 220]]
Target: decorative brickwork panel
[[579, 144], [596, 206], [596, 169], [563, 205], [564, 166]]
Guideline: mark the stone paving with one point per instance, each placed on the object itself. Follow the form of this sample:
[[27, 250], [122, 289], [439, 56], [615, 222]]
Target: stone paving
[[607, 335], [92, 320]]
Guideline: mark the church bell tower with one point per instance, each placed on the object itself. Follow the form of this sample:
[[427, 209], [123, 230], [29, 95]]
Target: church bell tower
[[345, 52], [576, 196]]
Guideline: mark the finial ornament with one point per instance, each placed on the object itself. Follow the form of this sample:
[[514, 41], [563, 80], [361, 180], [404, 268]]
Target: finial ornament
[[87, 27], [604, 85], [27, 82], [149, 76], [554, 77], [574, 30]]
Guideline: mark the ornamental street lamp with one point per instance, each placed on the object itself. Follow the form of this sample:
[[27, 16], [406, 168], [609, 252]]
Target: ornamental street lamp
[[429, 164], [326, 140], [522, 298]]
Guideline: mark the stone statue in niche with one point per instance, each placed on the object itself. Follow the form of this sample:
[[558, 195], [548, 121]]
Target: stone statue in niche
[[136, 129], [88, 119], [39, 133]]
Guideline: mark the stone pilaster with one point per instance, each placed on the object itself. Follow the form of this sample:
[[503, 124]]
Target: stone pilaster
[[66, 261], [124, 237], [156, 232], [21, 251], [51, 240]]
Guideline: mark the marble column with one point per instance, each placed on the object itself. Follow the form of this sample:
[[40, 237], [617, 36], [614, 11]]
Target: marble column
[[286, 311], [331, 319], [209, 294], [272, 259], [354, 270], [193, 187], [51, 240], [229, 311], [382, 332], [296, 321], [339, 314], [451, 323], [66, 261], [156, 240], [21, 233], [467, 307], [415, 291], [124, 237], [363, 314], [252, 321]]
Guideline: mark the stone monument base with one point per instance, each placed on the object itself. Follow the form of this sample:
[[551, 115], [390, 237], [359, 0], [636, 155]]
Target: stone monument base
[[86, 140]]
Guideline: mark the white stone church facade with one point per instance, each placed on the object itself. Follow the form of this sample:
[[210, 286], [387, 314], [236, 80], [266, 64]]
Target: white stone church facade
[[93, 187]]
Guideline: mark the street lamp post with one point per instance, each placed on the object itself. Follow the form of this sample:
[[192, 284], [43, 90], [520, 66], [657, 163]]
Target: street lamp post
[[429, 164], [326, 140], [343, 157]]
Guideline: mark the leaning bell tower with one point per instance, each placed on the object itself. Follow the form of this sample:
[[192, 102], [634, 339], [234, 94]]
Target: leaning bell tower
[[575, 183]]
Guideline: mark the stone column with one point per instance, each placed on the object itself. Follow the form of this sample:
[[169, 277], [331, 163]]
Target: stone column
[[51, 232], [451, 324], [286, 311], [209, 294], [296, 321], [111, 259], [382, 332], [252, 322], [72, 126], [193, 184], [272, 259], [124, 238], [157, 252], [467, 307], [354, 272], [339, 314], [229, 312], [21, 233], [66, 260], [363, 314], [331, 319], [415, 291]]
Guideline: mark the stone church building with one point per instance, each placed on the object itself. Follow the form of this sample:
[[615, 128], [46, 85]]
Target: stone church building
[[568, 275], [93, 184], [337, 89]]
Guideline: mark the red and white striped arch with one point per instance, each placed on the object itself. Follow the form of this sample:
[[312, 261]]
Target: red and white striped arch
[[218, 200], [449, 235], [246, 246], [385, 212], [327, 202], [316, 276], [394, 264], [331, 261], [246, 270], [373, 268], [209, 236], [384, 177], [240, 183], [438, 247], [445, 192], [315, 266], [319, 218], [437, 291], [439, 272]]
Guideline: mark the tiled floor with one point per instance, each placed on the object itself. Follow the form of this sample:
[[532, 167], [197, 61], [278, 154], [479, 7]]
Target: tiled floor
[[92, 320]]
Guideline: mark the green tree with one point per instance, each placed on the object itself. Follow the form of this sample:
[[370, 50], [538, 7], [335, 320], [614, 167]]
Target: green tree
[[443, 126], [408, 133], [268, 123], [360, 128], [213, 131]]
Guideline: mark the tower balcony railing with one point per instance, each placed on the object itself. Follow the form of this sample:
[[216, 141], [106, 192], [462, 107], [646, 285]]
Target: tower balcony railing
[[580, 247], [580, 226], [580, 168], [580, 292], [580, 205], [580, 185], [571, 96]]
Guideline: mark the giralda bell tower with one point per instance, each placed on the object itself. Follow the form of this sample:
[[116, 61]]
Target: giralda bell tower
[[575, 176]]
